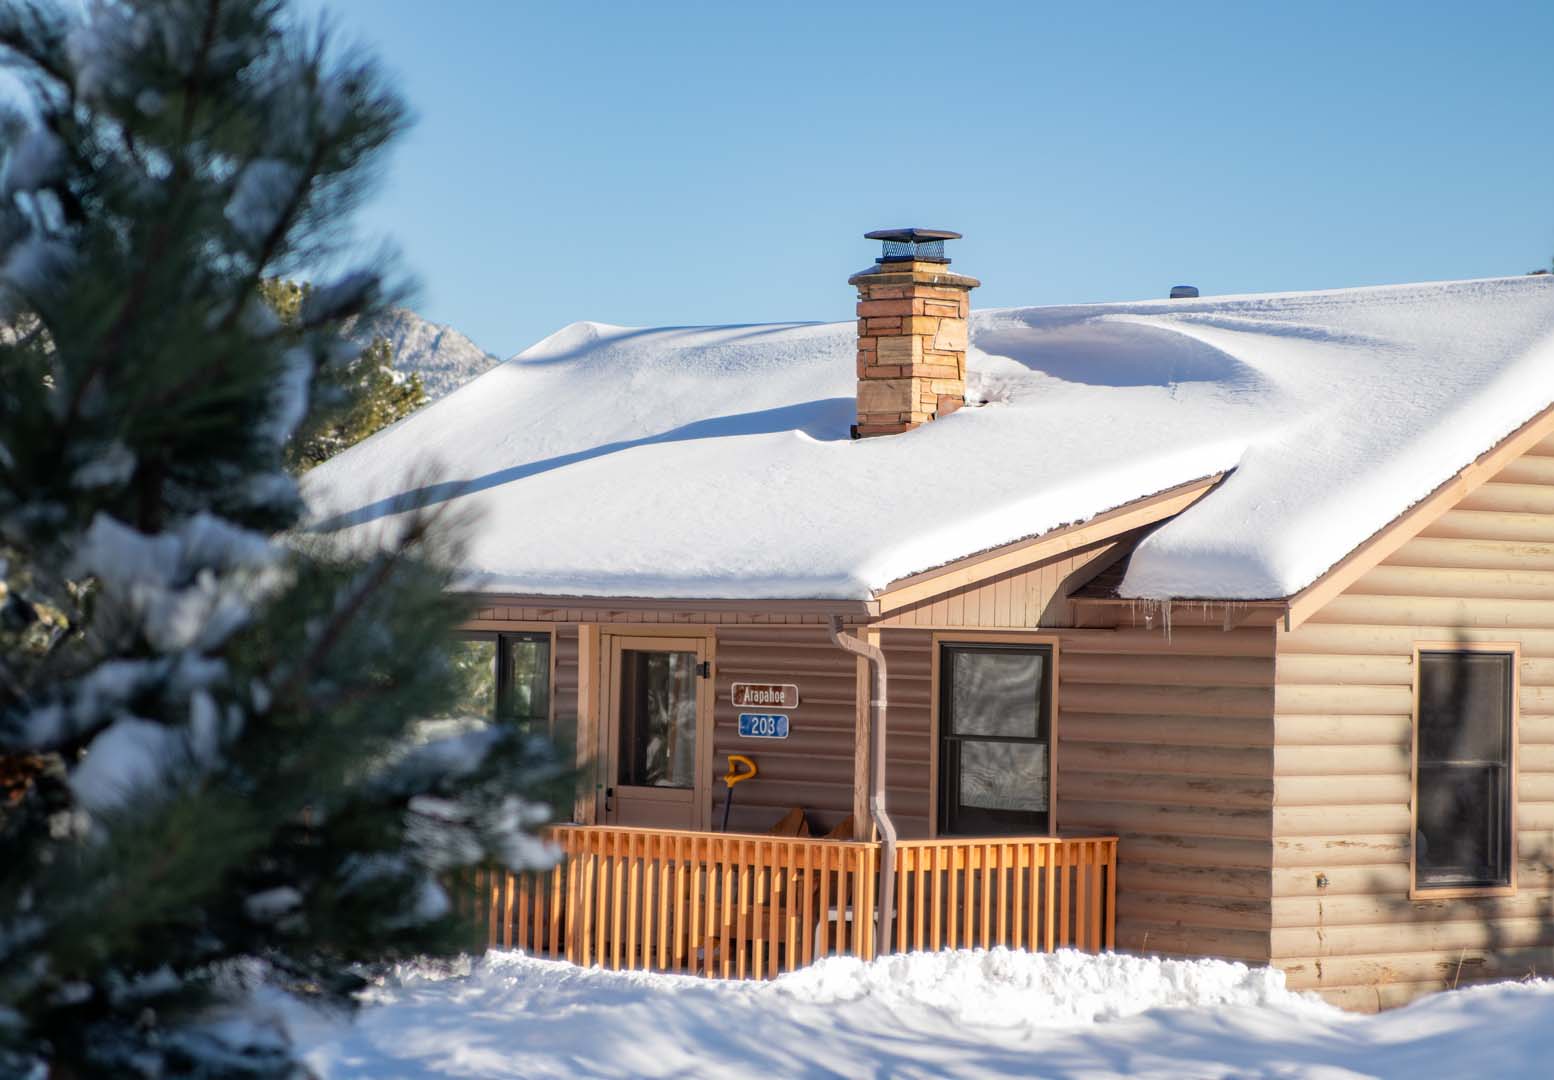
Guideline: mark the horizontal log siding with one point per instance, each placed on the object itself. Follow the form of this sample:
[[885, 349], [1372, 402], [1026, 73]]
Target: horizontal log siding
[[672, 614], [1484, 571], [1034, 596], [813, 767], [563, 699], [1168, 744], [1164, 742]]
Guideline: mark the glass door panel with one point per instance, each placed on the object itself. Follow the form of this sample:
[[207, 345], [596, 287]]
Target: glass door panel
[[658, 719]]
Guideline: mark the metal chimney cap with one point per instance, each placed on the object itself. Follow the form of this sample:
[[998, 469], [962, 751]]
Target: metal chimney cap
[[911, 236], [912, 245], [1184, 292]]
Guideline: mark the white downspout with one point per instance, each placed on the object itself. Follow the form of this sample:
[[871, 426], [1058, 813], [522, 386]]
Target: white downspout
[[887, 897]]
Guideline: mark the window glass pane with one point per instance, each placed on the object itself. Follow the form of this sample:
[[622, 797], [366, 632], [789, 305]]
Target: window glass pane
[[658, 719], [996, 693], [1003, 776], [526, 695], [1463, 834], [1464, 706], [474, 672]]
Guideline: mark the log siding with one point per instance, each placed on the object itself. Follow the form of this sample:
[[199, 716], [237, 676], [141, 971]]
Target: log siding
[[1343, 920]]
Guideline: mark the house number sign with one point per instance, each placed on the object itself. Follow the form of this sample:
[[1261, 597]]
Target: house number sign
[[752, 695], [763, 725]]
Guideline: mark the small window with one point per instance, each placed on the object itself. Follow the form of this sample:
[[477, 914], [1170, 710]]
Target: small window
[[524, 680], [1464, 782], [995, 741], [504, 676]]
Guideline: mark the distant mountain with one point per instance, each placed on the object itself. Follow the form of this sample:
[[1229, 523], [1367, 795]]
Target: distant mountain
[[445, 358]]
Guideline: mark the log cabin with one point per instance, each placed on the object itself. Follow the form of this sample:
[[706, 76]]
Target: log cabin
[[1205, 626]]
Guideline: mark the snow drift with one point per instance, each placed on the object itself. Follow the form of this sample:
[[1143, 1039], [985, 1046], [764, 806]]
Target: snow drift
[[967, 1013], [714, 461]]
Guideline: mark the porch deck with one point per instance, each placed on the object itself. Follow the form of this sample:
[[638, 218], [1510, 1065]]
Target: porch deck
[[731, 905]]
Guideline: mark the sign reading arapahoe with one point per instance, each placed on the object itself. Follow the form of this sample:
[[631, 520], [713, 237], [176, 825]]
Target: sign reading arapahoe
[[752, 695]]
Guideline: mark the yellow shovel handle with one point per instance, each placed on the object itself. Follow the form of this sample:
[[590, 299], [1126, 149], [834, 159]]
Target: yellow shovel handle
[[735, 777]]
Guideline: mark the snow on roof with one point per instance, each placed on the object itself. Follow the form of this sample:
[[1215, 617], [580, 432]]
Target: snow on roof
[[698, 462]]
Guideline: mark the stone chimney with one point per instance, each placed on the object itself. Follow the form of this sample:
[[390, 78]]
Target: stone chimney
[[912, 333]]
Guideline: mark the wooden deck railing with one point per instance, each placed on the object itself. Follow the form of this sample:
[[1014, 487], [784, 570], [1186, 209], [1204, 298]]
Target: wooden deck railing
[[1024, 892], [716, 904], [750, 906]]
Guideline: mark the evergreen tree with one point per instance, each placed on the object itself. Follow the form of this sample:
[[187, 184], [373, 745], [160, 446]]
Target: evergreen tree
[[355, 399], [213, 775]]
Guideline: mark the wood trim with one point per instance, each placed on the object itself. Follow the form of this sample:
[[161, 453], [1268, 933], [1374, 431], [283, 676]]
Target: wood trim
[[1414, 520], [505, 626], [1049, 545], [863, 824], [590, 767], [656, 630], [735, 605], [1414, 890], [992, 637]]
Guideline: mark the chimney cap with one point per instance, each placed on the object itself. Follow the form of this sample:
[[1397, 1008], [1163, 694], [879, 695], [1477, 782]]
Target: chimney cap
[[912, 245], [911, 236]]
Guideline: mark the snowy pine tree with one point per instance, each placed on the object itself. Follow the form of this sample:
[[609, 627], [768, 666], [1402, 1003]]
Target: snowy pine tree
[[212, 776], [365, 396]]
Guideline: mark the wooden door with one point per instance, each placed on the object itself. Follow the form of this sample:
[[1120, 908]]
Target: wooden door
[[658, 739]]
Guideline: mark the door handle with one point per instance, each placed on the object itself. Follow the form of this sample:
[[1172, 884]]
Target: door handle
[[609, 793]]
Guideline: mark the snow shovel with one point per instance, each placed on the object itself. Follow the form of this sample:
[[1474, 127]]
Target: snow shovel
[[733, 778]]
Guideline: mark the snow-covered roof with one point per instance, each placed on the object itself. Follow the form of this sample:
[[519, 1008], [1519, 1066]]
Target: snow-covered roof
[[697, 462]]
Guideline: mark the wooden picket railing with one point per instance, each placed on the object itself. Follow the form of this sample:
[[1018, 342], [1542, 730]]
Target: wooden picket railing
[[1037, 893], [717, 904], [750, 906]]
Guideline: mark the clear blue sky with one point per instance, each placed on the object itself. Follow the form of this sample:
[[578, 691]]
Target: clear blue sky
[[652, 164]]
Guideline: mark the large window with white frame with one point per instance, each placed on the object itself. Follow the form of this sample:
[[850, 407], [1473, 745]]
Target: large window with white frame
[[1464, 768], [995, 738]]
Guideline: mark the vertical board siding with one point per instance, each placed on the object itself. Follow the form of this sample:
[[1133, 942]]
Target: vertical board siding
[[1033, 596], [1484, 571], [1163, 741], [813, 767]]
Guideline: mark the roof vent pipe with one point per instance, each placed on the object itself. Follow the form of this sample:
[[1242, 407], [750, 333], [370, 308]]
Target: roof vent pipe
[[1184, 292], [887, 897]]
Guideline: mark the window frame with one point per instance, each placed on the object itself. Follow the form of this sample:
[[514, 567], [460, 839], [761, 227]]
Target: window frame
[[1416, 890], [1053, 644], [499, 663]]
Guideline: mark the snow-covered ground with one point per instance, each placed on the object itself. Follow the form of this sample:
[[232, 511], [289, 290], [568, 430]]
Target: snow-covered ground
[[970, 1014]]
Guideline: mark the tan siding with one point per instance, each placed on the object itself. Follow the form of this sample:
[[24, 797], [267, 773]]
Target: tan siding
[[813, 767], [909, 750], [564, 693], [1484, 571], [1029, 597], [1164, 742]]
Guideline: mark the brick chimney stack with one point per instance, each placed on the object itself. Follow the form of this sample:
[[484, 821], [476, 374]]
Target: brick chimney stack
[[912, 333]]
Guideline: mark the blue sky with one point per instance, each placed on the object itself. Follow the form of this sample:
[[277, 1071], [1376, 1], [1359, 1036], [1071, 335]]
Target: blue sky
[[651, 164]]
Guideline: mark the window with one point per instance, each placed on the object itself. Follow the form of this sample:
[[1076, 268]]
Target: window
[[504, 676], [995, 739], [523, 680], [1464, 775]]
